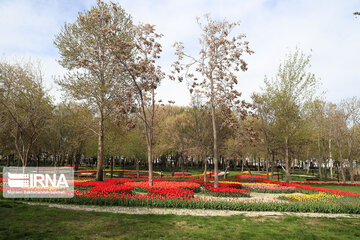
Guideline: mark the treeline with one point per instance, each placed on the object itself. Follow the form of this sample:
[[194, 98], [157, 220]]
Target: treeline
[[111, 110]]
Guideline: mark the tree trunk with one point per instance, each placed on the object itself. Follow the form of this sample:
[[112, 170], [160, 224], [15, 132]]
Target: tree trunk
[[351, 162], [62, 162], [325, 169], [272, 165], [267, 164], [100, 155], [319, 168], [216, 159], [150, 163], [226, 168], [319, 160], [330, 160], [182, 165], [343, 175], [342, 170], [38, 160], [137, 168], [111, 168], [114, 163], [308, 165], [77, 161], [8, 161], [205, 170], [287, 162]]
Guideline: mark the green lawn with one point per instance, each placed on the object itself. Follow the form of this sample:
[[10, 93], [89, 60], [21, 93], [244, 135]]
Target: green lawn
[[339, 187], [39, 222]]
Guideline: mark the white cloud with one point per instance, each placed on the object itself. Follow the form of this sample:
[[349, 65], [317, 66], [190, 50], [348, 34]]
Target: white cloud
[[273, 28]]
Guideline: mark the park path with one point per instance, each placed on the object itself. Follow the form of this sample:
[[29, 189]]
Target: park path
[[191, 212], [254, 197]]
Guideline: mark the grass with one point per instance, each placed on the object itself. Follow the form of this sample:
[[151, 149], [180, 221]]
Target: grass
[[20, 221], [355, 189]]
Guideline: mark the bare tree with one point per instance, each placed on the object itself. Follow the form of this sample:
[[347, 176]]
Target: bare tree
[[144, 77], [85, 48], [212, 73]]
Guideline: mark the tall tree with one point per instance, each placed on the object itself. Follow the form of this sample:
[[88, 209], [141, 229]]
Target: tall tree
[[212, 73], [85, 48], [338, 131], [351, 108], [25, 105], [288, 94], [201, 141], [144, 77]]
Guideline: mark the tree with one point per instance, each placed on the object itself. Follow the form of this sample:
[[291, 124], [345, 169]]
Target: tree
[[201, 140], [320, 133], [25, 105], [85, 48], [351, 108], [144, 77], [338, 130], [221, 55], [67, 132], [177, 134], [266, 125], [135, 147], [288, 94]]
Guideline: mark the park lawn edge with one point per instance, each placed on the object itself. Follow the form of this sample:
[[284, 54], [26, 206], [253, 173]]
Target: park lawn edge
[[305, 207]]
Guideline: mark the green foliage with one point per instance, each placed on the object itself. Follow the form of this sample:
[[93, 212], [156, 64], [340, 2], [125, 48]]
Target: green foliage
[[68, 130], [25, 105], [289, 93], [134, 146], [283, 103]]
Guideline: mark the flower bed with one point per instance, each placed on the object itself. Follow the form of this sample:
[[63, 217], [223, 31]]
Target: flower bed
[[227, 192], [112, 188], [133, 175], [327, 183], [180, 174], [158, 201], [249, 176], [263, 173], [269, 188], [309, 188], [173, 193], [165, 185], [315, 197], [227, 185], [180, 194]]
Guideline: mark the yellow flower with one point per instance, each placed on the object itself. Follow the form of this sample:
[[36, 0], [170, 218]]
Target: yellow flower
[[248, 183], [83, 180], [315, 197], [259, 173]]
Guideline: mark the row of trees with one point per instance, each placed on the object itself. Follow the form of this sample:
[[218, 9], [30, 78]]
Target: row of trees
[[295, 122], [111, 87]]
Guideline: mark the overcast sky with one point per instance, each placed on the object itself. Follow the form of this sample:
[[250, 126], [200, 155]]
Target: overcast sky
[[273, 28]]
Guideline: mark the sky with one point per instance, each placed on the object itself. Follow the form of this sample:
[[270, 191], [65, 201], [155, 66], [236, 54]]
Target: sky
[[326, 29]]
